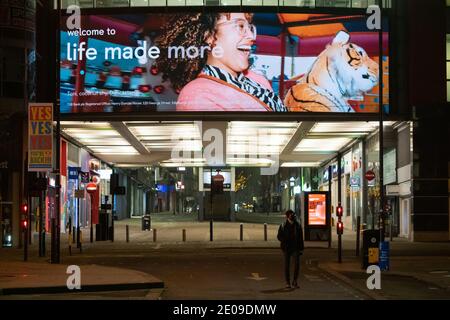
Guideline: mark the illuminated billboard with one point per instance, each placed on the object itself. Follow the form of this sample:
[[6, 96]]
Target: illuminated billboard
[[221, 62], [317, 209], [226, 173]]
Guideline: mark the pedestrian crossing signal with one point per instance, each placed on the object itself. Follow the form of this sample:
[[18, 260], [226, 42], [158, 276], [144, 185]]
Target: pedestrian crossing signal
[[340, 228], [24, 208], [339, 210]]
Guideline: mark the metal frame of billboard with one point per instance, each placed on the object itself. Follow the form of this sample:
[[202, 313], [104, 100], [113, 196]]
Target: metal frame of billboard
[[232, 116]]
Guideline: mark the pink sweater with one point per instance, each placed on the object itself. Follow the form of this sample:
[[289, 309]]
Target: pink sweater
[[211, 94]]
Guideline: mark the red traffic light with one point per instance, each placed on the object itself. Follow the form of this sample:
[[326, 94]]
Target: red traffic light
[[339, 211], [24, 224], [340, 227], [24, 208]]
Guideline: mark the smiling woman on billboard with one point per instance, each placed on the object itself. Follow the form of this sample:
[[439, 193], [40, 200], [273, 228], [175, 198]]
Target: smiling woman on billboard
[[219, 80]]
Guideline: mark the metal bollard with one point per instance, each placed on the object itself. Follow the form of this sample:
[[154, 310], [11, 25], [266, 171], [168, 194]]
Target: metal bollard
[[265, 231], [112, 229], [69, 238], [127, 233], [80, 240], [184, 235], [154, 235], [242, 232], [43, 243], [78, 237], [211, 230]]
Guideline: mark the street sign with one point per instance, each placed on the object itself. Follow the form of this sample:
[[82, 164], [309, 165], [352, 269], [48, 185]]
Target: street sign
[[73, 173], [370, 175]]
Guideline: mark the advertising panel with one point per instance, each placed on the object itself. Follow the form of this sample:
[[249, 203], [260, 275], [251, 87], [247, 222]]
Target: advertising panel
[[221, 62], [40, 137], [226, 174], [317, 210]]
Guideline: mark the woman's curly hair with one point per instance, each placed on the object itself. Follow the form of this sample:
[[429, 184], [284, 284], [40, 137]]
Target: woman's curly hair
[[185, 30]]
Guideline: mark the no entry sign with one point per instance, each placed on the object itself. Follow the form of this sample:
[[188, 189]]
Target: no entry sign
[[370, 175]]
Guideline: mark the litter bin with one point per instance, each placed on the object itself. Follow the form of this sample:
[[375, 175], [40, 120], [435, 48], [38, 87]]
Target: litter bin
[[146, 222], [370, 248]]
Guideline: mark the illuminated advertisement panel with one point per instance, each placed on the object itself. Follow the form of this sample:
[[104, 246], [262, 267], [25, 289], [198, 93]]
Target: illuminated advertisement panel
[[317, 210], [221, 62], [208, 174]]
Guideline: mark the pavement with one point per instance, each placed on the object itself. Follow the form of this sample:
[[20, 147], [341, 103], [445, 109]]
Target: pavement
[[425, 263], [35, 277]]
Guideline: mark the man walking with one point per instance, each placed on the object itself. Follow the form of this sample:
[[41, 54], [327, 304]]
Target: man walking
[[290, 234]]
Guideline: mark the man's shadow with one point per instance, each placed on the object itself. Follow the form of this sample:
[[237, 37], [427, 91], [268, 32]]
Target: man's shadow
[[281, 290]]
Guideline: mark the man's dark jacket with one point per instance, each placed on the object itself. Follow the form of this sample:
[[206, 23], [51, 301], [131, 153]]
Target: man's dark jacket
[[288, 244]]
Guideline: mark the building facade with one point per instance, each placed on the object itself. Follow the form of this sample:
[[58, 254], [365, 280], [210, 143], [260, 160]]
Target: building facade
[[416, 152]]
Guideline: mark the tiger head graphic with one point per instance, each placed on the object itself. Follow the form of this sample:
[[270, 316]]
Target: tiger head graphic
[[342, 71]]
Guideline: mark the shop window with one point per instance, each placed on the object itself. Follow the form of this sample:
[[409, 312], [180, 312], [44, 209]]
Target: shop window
[[157, 3], [194, 2], [252, 2], [139, 3], [112, 3], [80, 3], [230, 2], [176, 3], [298, 3]]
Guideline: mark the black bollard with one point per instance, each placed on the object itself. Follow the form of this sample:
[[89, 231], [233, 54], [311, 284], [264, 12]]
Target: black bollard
[[358, 233], [211, 230]]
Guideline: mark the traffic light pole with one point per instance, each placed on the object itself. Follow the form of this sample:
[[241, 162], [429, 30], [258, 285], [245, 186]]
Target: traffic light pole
[[381, 111], [41, 212], [56, 232], [25, 241], [339, 208], [29, 222], [339, 247], [24, 226]]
